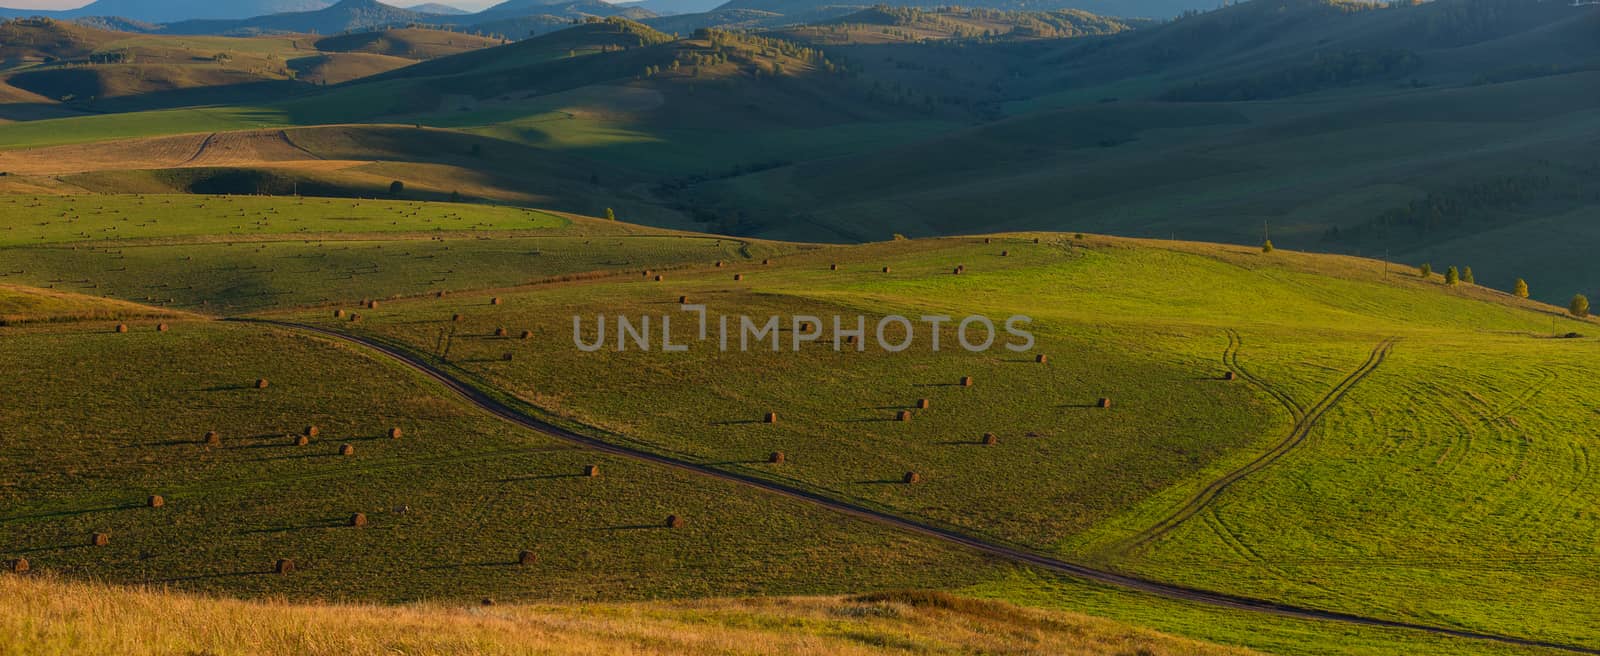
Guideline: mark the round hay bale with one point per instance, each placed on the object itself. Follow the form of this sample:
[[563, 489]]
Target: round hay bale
[[777, 458], [358, 520], [771, 418], [347, 449], [213, 439], [372, 305], [833, 267], [682, 300], [311, 431], [903, 415], [486, 602], [987, 240], [456, 318], [886, 269], [161, 327], [302, 440], [719, 264], [1005, 253], [155, 501], [591, 471], [1230, 376], [526, 557], [966, 381], [1042, 358], [527, 334], [1035, 240], [989, 439], [494, 301], [99, 540], [912, 478], [924, 404], [500, 332], [958, 270], [122, 327], [738, 276], [766, 262], [261, 383], [674, 521], [660, 278], [18, 565], [400, 510], [395, 433], [355, 317], [283, 566], [438, 294], [338, 314], [507, 357], [1104, 403]]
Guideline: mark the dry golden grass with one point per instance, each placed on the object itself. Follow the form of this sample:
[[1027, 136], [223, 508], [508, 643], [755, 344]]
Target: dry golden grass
[[40, 615]]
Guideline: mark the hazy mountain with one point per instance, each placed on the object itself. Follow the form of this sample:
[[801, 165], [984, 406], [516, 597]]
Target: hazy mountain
[[348, 15], [167, 11], [439, 9], [1128, 8], [674, 7]]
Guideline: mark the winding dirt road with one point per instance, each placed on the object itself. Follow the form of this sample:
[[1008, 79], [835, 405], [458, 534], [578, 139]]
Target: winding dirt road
[[1171, 591]]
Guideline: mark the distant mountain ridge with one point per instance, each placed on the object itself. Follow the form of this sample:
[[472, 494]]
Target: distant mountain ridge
[[168, 11]]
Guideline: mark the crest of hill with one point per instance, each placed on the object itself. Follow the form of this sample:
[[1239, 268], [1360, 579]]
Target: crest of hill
[[46, 39], [612, 34], [408, 42], [886, 24], [163, 11], [23, 305]]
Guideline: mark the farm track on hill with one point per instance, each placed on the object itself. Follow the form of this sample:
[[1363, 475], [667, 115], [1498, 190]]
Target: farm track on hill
[[1305, 421], [493, 406]]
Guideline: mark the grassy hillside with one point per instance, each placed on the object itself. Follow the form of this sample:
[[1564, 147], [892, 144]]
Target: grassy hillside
[[1153, 327], [45, 615]]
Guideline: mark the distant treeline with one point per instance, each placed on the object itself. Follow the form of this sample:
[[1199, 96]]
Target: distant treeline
[[1324, 71], [1452, 208]]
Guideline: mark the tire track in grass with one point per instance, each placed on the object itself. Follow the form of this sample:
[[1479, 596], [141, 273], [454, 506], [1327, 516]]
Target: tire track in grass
[[488, 403], [1307, 421]]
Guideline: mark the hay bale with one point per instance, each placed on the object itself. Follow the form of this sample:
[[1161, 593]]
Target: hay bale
[[438, 294], [507, 357], [400, 510], [527, 334], [833, 267], [494, 301], [302, 441], [122, 327], [766, 262], [958, 270], [338, 314], [500, 332], [161, 327], [283, 566], [347, 449], [966, 381], [674, 521], [358, 520], [1042, 358], [213, 439], [355, 317], [99, 539], [886, 269], [395, 433], [372, 305], [771, 418], [719, 264], [903, 415], [261, 383], [924, 404], [912, 478], [738, 276], [989, 439], [1230, 376], [682, 300], [1035, 240], [987, 240], [1005, 253], [486, 602], [660, 278], [591, 471], [777, 458], [155, 501], [18, 565], [311, 431], [456, 318], [527, 557], [1104, 403]]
